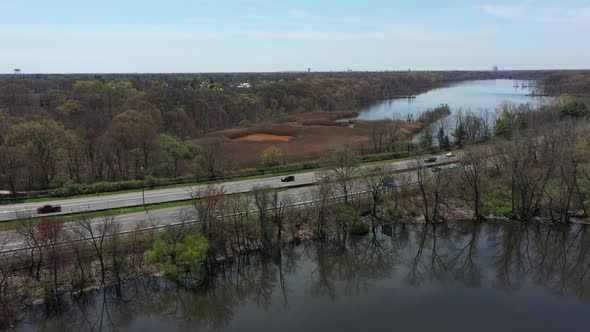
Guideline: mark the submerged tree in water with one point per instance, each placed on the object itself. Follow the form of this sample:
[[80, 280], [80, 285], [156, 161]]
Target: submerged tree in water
[[177, 256]]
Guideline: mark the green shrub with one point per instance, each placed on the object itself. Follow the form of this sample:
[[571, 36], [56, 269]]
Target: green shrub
[[497, 202]]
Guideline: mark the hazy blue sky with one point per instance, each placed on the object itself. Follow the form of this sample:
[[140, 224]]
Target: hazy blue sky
[[271, 35]]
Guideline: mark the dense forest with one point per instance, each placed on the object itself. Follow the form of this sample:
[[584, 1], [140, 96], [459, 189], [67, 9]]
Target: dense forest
[[575, 83], [56, 129], [535, 166]]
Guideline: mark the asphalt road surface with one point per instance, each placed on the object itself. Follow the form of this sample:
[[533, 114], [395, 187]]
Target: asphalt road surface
[[10, 240], [87, 204]]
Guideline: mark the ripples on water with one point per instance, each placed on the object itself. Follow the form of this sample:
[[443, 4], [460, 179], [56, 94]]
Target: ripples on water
[[452, 277]]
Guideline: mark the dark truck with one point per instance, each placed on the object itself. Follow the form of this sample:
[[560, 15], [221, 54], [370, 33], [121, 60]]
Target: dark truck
[[288, 178], [48, 209]]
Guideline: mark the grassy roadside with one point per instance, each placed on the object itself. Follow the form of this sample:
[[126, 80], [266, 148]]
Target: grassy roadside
[[169, 186], [188, 184], [10, 225]]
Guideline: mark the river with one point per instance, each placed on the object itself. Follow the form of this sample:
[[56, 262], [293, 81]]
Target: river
[[474, 96], [452, 277]]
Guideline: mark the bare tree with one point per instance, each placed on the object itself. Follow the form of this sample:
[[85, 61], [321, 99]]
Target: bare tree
[[378, 131], [568, 161], [50, 234], [26, 229], [96, 233], [344, 167], [432, 186], [262, 197], [239, 208], [394, 135], [473, 164], [117, 257], [532, 160], [398, 185], [13, 295], [322, 194], [210, 157], [208, 203], [375, 180], [279, 206]]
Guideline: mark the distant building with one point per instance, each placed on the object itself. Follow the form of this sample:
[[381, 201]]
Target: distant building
[[309, 70], [495, 68]]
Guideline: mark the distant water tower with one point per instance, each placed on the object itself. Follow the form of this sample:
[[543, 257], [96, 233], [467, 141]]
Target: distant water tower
[[17, 72]]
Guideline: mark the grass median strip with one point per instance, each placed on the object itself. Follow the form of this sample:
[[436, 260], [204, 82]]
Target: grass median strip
[[170, 186], [188, 184], [11, 225]]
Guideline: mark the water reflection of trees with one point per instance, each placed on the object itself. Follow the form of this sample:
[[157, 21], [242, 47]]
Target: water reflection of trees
[[474, 255]]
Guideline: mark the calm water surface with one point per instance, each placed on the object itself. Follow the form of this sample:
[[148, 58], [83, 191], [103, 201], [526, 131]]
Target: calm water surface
[[475, 96], [454, 277]]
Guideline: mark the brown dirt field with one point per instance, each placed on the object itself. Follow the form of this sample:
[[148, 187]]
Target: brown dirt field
[[264, 138], [315, 136]]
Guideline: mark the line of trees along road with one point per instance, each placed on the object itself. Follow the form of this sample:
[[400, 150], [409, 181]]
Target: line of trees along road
[[85, 129], [536, 168]]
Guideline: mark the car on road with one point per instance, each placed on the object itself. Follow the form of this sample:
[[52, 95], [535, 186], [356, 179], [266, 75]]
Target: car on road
[[288, 178], [48, 209], [450, 155], [388, 182], [324, 178], [430, 160]]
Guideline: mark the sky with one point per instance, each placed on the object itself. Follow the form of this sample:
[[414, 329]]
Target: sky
[[139, 36]]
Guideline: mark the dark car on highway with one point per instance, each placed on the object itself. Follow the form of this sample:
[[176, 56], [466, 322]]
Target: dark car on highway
[[288, 178], [430, 160], [49, 209]]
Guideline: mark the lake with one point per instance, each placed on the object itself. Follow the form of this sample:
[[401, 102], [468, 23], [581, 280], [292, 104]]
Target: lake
[[452, 277], [475, 96]]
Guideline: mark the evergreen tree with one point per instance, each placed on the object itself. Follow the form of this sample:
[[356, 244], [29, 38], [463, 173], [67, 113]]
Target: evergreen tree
[[426, 141], [460, 134], [441, 138]]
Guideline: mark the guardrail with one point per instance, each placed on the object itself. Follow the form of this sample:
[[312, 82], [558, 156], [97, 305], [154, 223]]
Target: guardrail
[[157, 228], [365, 159]]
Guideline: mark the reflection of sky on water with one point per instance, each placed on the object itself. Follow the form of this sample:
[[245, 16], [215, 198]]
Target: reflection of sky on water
[[472, 95], [448, 277]]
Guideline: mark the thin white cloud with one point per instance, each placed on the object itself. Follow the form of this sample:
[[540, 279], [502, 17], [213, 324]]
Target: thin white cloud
[[110, 32], [431, 36], [531, 11], [582, 16], [298, 14], [508, 12], [309, 34]]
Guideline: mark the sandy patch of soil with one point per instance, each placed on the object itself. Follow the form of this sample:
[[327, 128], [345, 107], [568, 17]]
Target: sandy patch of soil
[[264, 138]]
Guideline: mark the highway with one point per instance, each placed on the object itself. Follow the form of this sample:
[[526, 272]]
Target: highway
[[10, 240], [105, 202]]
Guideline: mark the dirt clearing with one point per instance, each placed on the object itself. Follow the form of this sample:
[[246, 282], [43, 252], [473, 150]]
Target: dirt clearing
[[264, 138]]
